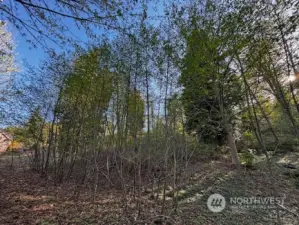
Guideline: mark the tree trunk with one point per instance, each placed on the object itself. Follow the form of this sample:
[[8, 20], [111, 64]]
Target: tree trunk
[[232, 145]]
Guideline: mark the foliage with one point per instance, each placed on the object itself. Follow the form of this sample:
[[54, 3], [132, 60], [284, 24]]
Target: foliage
[[84, 99], [39, 22], [19, 133], [175, 115], [211, 87], [15, 145], [135, 113], [247, 158], [7, 56], [34, 126]]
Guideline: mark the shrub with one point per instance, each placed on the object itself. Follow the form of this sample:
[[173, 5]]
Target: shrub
[[247, 159]]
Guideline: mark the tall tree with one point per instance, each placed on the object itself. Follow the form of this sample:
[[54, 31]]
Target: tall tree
[[212, 89]]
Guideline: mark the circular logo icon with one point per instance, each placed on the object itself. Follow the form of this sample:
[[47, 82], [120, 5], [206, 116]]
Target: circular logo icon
[[216, 203]]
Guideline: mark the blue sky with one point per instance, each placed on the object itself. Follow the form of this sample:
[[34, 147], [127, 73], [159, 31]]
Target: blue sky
[[25, 51]]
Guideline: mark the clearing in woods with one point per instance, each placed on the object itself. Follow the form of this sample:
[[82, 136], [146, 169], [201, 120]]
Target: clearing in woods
[[27, 198]]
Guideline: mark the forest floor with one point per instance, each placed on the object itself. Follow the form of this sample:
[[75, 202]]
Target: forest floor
[[26, 198]]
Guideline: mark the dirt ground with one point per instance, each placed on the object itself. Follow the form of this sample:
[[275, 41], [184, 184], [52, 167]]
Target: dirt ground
[[27, 198]]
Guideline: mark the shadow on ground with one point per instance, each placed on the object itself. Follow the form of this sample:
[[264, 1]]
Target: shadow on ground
[[26, 198]]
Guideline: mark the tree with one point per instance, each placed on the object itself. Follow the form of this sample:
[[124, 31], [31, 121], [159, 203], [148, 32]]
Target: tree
[[135, 113], [7, 55], [81, 107], [212, 89], [40, 21], [34, 124]]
